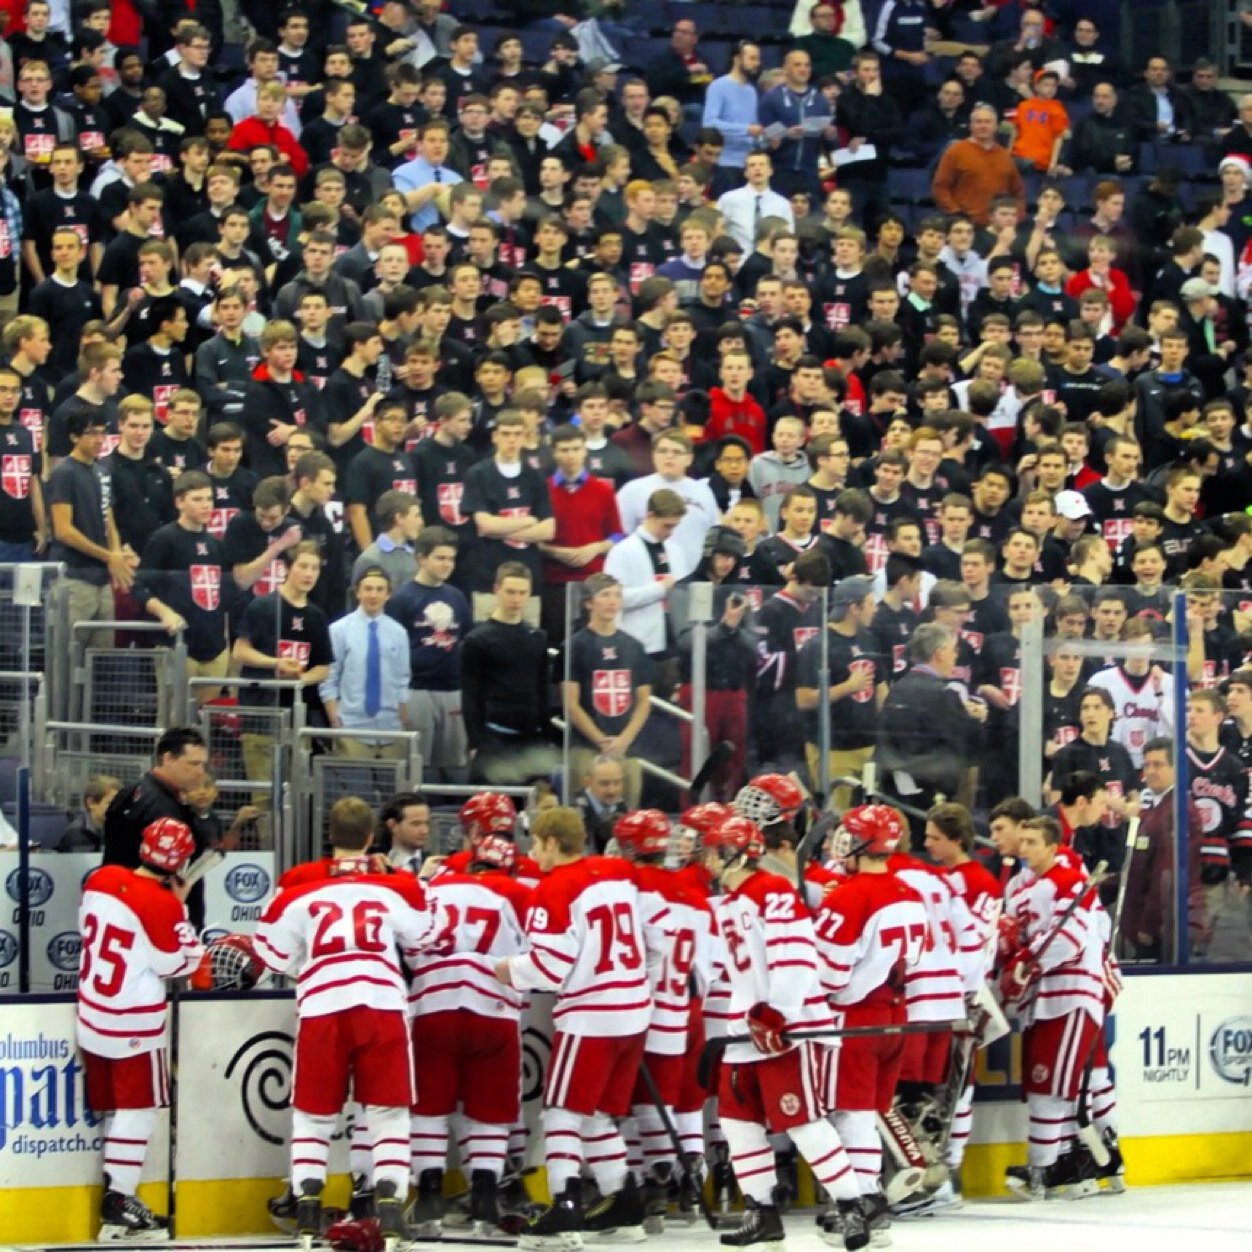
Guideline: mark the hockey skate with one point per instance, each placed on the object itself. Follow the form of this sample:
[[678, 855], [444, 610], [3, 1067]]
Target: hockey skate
[[878, 1218], [845, 1226], [127, 1219], [1073, 1176], [656, 1190], [690, 1182], [1112, 1177], [617, 1218], [282, 1210], [390, 1214], [309, 1214], [723, 1176], [558, 1226], [761, 1228], [1025, 1182], [788, 1186], [945, 1197], [361, 1205], [484, 1205], [426, 1215]]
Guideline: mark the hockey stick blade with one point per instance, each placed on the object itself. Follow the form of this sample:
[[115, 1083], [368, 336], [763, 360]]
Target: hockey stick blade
[[714, 1047], [713, 762]]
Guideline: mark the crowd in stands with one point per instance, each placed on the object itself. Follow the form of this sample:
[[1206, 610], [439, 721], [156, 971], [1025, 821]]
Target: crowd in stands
[[345, 369]]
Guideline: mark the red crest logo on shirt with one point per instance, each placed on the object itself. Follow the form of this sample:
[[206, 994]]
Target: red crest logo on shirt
[[15, 476], [206, 586], [294, 650], [611, 691], [802, 634], [272, 577], [448, 496], [857, 668]]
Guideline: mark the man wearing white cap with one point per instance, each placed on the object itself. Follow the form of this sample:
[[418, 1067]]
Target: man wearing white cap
[[1073, 514], [1236, 175]]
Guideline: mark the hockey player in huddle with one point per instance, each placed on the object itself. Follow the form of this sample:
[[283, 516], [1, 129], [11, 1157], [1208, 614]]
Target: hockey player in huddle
[[135, 937], [768, 1083], [950, 842], [679, 981], [871, 933], [587, 944], [484, 814], [1054, 973], [467, 1035], [339, 927]]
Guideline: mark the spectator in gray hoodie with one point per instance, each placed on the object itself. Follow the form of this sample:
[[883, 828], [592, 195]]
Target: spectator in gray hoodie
[[772, 474]]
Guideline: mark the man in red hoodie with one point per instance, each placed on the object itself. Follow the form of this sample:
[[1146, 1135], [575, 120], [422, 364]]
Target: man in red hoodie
[[731, 410], [264, 127]]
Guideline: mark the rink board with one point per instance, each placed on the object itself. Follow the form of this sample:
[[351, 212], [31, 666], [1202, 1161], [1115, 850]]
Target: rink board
[[1181, 1050]]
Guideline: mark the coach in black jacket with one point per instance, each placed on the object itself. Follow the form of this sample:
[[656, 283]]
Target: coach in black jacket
[[180, 757], [927, 734]]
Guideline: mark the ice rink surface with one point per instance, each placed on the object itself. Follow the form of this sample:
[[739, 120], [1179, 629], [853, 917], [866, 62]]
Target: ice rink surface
[[1214, 1217]]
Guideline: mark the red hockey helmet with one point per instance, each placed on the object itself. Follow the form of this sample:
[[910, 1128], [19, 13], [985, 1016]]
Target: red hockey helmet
[[734, 839], [230, 963], [701, 818], [643, 833], [869, 829], [769, 798], [496, 851], [166, 845], [491, 812]]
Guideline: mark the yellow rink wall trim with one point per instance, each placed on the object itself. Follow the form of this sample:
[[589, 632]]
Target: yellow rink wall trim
[[237, 1206]]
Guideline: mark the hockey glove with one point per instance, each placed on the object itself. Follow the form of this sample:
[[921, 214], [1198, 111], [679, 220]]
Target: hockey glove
[[1009, 936], [766, 1025], [1017, 975]]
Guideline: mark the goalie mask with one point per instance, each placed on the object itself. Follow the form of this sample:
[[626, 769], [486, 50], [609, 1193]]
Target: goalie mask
[[769, 798], [229, 964], [496, 851], [869, 830]]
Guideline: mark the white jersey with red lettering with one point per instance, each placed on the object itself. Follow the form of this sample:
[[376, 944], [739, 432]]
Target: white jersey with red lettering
[[485, 915], [589, 945], [980, 893], [1071, 965], [934, 987], [340, 930], [135, 935], [871, 932], [1144, 707], [690, 932], [771, 957]]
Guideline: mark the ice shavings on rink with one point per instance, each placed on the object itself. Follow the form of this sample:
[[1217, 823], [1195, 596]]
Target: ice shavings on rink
[[1214, 1217]]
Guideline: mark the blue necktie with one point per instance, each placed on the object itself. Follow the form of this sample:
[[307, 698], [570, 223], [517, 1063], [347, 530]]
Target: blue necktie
[[373, 673]]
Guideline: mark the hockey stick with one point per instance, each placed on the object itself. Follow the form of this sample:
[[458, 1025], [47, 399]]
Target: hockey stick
[[1098, 877], [713, 762], [714, 1047], [671, 1132], [1123, 879], [209, 859]]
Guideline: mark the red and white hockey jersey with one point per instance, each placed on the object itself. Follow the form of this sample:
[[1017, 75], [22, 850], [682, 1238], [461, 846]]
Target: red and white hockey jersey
[[771, 957], [980, 892], [485, 915], [1071, 977], [135, 935], [340, 927], [934, 987], [687, 959], [588, 944], [871, 932]]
